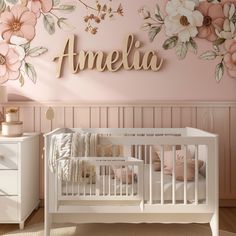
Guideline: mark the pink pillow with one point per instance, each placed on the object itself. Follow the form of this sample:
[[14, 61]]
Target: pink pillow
[[179, 169], [120, 174], [168, 157]]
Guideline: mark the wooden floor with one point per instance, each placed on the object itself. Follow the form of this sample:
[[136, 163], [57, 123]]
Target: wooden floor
[[227, 221]]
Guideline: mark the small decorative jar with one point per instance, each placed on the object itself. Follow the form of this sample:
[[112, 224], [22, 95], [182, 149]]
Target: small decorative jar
[[12, 129], [12, 115]]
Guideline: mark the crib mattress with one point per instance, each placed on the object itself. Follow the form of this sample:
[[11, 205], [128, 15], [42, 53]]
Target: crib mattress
[[116, 188]]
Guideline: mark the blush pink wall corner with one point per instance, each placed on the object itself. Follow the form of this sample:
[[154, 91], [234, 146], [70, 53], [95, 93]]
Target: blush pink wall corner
[[190, 79]]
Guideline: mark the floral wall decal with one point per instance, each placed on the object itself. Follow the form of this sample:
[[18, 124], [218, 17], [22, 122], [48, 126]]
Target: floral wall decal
[[18, 21], [186, 20], [98, 13]]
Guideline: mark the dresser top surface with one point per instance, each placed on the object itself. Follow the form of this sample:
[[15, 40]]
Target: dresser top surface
[[24, 137]]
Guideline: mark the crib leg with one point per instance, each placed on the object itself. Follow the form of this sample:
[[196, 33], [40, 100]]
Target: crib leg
[[47, 224], [214, 223]]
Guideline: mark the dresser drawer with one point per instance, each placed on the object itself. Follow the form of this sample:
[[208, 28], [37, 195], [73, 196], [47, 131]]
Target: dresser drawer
[[8, 156], [8, 182], [8, 206]]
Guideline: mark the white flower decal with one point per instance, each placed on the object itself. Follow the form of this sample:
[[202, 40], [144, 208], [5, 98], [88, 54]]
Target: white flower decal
[[182, 19]]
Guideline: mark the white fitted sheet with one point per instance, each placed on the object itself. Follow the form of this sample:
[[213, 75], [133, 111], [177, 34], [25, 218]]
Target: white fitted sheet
[[89, 188]]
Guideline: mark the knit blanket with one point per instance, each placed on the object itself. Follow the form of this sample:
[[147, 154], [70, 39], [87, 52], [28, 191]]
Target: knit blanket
[[65, 148]]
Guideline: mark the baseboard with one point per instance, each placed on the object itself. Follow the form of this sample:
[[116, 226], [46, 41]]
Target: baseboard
[[227, 202]]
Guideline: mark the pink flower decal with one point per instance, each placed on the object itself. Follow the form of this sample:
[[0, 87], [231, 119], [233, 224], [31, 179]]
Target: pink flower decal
[[19, 22], [38, 5], [10, 63], [213, 17], [230, 57]]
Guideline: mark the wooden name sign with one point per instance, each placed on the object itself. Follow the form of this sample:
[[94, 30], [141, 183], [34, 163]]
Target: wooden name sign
[[129, 58]]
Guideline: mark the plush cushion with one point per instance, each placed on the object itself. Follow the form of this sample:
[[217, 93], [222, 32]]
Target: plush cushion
[[157, 149], [168, 157], [202, 155], [179, 169], [120, 174], [109, 150]]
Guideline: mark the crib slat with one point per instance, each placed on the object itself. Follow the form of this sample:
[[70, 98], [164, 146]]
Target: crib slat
[[79, 176], [56, 189], [207, 180], [132, 180], [126, 170], [196, 174], [84, 182], [66, 188], [97, 180], [115, 181], [185, 174], [121, 181], [150, 175], [109, 180], [162, 174], [145, 152], [140, 152], [173, 174], [103, 179], [90, 180]]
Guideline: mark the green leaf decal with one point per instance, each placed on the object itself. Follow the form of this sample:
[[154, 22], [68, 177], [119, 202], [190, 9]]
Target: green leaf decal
[[170, 42], [49, 24], [21, 80], [37, 51], [26, 46], [153, 32], [192, 45], [218, 41], [181, 50], [208, 55], [2, 6], [68, 8], [219, 72], [30, 72], [63, 24], [56, 3]]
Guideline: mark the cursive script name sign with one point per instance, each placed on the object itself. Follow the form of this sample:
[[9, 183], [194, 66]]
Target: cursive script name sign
[[130, 58]]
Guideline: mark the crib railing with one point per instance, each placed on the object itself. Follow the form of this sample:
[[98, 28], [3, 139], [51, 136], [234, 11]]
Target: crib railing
[[104, 178]]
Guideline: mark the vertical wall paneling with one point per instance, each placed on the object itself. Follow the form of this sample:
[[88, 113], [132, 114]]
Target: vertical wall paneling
[[158, 117], [221, 127], [233, 150], [138, 114], [121, 117], [37, 119], [147, 117], [69, 117], [166, 117], [205, 118], [113, 117], [103, 117], [26, 114], [95, 117], [128, 117], [188, 117], [59, 117], [176, 117], [82, 117]]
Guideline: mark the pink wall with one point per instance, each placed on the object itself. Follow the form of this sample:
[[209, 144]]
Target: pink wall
[[190, 79]]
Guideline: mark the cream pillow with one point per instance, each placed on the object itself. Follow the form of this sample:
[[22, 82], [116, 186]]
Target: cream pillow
[[109, 150]]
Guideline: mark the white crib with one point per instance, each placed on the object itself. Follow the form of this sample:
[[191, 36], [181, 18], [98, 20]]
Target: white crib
[[142, 195]]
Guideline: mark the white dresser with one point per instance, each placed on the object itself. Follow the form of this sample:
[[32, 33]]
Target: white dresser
[[19, 178]]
